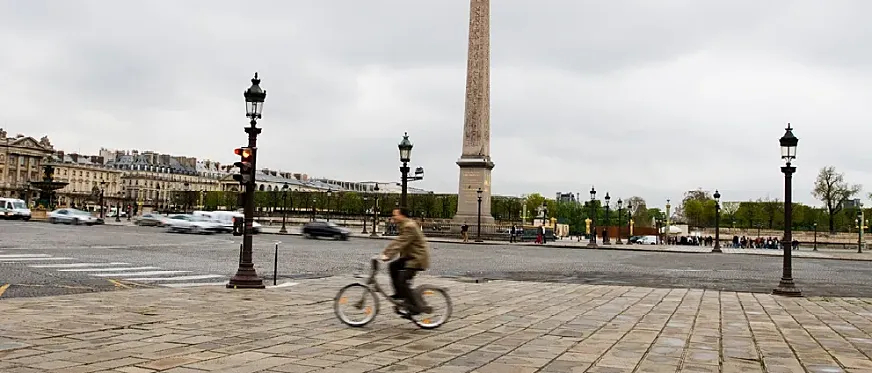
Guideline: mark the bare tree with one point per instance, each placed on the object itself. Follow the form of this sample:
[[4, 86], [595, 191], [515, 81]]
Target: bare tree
[[832, 189], [729, 209]]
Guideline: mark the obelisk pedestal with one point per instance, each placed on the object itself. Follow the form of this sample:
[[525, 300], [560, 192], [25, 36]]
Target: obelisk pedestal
[[475, 161]]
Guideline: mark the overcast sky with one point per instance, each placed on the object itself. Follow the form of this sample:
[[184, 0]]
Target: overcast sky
[[648, 98]]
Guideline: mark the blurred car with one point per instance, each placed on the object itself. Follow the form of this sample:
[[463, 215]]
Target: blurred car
[[13, 208], [73, 216], [192, 224], [317, 229], [226, 218], [150, 220]]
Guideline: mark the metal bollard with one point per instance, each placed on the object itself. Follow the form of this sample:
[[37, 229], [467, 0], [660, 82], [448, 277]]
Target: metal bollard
[[276, 265]]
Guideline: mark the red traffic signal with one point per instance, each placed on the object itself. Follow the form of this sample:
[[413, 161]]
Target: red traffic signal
[[245, 153]]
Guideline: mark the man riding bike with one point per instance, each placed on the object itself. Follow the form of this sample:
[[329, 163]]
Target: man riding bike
[[414, 256]]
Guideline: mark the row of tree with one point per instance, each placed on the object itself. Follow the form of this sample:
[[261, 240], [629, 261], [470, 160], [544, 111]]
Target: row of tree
[[429, 206], [697, 208]]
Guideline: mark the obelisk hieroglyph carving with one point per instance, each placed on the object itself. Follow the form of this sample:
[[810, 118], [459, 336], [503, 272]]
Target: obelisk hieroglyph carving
[[475, 161]]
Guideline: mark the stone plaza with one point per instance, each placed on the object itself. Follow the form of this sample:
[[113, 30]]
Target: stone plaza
[[497, 326]]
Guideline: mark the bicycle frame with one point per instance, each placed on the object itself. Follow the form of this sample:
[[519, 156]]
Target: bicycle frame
[[372, 283]]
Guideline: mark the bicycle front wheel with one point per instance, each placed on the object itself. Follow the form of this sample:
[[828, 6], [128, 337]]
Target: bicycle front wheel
[[355, 305], [436, 307]]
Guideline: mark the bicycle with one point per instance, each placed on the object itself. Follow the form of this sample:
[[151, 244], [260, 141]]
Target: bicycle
[[371, 288]]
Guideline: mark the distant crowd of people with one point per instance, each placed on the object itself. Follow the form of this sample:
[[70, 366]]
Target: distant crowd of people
[[737, 242]]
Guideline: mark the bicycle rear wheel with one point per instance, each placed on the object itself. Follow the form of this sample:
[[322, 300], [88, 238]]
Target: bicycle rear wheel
[[355, 305], [436, 307]]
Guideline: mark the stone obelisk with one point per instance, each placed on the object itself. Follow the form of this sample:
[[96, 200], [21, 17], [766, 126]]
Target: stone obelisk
[[475, 161]]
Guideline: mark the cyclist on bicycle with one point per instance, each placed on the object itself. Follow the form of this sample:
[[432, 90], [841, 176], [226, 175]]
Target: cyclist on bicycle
[[414, 256]]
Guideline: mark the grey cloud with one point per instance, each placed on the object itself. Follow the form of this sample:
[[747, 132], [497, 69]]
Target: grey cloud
[[636, 97]]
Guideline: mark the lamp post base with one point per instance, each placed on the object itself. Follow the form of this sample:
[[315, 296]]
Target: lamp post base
[[591, 245], [717, 249], [246, 278], [283, 230], [787, 288], [619, 242]]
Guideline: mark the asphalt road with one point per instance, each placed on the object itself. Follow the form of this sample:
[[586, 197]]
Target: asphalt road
[[39, 259]]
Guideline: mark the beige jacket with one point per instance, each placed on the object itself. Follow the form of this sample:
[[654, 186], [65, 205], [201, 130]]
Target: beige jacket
[[410, 244]]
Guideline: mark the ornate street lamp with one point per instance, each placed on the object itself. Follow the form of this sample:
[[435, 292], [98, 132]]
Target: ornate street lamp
[[478, 229], [620, 215], [102, 203], [284, 208], [365, 204], [606, 240], [815, 236], [717, 247], [592, 243], [405, 147], [246, 277], [629, 223], [788, 144], [375, 213], [329, 199]]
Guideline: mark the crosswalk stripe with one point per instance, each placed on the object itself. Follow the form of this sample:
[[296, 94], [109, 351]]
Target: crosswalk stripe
[[177, 278], [147, 273], [24, 255], [77, 265], [106, 269], [194, 284], [15, 260]]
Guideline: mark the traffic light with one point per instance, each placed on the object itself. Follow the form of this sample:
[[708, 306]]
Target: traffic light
[[245, 169]]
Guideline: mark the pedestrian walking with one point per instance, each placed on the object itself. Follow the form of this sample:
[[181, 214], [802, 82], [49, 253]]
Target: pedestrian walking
[[464, 232], [512, 233]]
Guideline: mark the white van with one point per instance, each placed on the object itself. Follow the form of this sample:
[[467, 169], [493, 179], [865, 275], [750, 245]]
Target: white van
[[225, 218], [12, 208]]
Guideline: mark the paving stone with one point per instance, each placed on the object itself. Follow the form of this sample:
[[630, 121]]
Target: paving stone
[[500, 326]]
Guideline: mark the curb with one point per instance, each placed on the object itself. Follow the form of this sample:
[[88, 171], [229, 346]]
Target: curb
[[599, 247]]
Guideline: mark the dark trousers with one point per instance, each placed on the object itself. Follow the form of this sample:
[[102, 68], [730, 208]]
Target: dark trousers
[[401, 276]]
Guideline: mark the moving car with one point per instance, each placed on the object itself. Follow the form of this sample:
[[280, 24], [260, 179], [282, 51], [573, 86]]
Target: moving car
[[73, 216], [192, 224], [225, 219], [647, 240], [12, 208], [317, 229], [150, 220]]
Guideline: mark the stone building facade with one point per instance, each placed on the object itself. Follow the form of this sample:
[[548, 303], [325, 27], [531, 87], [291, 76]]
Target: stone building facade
[[21, 161], [87, 176]]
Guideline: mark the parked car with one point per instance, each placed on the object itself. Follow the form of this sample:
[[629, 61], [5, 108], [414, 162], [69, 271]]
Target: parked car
[[150, 220], [12, 208], [317, 229], [73, 216], [191, 224], [225, 219]]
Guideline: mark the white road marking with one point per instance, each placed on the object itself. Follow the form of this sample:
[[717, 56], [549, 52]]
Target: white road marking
[[24, 256], [106, 269], [282, 285], [15, 260], [195, 284], [177, 278], [147, 273], [77, 265]]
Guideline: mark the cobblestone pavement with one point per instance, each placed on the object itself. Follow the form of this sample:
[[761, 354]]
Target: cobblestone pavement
[[43, 259], [497, 327]]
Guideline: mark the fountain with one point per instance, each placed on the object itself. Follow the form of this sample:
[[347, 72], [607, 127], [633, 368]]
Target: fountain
[[47, 187]]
